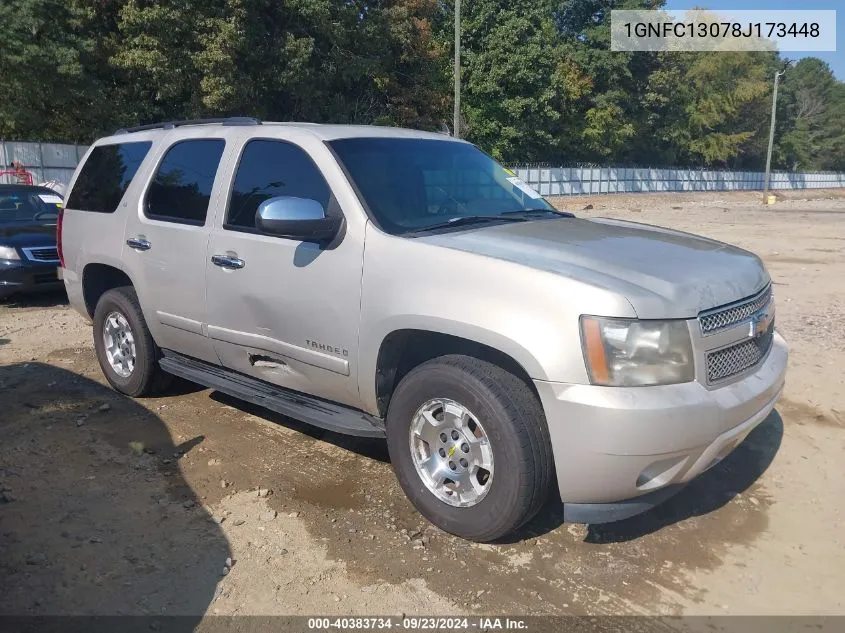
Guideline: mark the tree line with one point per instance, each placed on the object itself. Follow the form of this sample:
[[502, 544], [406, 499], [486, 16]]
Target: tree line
[[540, 83]]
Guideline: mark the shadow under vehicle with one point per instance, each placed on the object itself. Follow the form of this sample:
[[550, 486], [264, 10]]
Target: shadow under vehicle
[[96, 518]]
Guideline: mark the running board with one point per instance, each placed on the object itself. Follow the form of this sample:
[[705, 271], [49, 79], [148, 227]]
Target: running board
[[322, 413]]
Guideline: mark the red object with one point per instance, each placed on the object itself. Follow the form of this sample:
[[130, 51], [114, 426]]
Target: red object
[[59, 237], [22, 176]]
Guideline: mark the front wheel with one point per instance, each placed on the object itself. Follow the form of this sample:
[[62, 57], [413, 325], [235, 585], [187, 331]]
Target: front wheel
[[470, 447], [125, 348]]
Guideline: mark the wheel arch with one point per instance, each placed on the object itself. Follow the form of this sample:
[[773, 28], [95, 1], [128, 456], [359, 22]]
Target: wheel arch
[[402, 349], [97, 279]]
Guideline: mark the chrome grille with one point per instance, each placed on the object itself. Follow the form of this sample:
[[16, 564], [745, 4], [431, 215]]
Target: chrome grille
[[726, 316], [735, 359], [45, 254]]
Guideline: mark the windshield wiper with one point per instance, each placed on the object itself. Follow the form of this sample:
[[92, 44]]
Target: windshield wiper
[[533, 213], [519, 215], [469, 219]]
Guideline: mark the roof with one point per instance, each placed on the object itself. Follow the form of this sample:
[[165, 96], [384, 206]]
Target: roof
[[329, 132], [26, 189], [326, 132]]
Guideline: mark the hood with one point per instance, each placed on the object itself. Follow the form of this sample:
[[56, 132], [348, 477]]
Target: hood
[[661, 272], [26, 234]]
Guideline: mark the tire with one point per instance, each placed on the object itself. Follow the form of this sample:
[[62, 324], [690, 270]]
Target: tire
[[146, 377], [514, 423]]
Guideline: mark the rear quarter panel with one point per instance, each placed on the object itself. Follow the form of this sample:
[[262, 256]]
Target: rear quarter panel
[[97, 238]]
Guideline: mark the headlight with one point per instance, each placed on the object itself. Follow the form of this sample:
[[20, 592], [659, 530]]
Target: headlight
[[632, 353], [8, 252]]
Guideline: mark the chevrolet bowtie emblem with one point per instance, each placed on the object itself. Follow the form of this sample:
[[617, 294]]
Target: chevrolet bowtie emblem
[[760, 322]]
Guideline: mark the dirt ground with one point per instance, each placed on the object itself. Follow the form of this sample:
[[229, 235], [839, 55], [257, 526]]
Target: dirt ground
[[197, 504]]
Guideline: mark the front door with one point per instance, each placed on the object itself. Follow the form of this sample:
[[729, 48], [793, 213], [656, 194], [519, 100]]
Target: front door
[[283, 310]]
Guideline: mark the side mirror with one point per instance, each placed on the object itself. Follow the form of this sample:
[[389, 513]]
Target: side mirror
[[296, 218]]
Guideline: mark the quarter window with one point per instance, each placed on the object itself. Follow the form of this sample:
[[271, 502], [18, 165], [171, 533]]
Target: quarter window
[[268, 169], [106, 176], [181, 189]]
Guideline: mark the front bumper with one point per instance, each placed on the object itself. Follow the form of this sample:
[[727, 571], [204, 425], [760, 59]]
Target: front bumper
[[21, 276], [619, 451]]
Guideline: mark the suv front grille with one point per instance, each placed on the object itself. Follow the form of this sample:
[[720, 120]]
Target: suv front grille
[[730, 361], [726, 316]]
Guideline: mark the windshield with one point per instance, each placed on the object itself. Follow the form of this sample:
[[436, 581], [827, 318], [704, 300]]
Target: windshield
[[26, 206], [411, 184]]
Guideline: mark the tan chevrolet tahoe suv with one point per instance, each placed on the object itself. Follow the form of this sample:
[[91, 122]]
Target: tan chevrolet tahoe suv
[[391, 283]]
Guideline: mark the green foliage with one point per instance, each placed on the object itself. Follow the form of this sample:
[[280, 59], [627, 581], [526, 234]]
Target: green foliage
[[77, 69], [515, 94], [812, 107], [540, 83], [727, 110], [609, 114], [41, 67]]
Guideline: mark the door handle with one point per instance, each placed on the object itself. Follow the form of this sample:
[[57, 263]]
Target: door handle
[[139, 244], [227, 261]]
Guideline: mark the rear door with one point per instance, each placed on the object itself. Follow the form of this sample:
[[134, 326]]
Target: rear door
[[288, 314], [167, 237], [110, 176]]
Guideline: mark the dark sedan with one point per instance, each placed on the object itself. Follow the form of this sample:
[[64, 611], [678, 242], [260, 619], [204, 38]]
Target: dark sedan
[[28, 257]]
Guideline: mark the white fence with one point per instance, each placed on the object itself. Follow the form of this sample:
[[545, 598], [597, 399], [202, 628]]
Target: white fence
[[45, 161], [566, 181]]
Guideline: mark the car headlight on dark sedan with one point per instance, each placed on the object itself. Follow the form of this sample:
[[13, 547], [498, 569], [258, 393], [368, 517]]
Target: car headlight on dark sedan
[[636, 353], [9, 252]]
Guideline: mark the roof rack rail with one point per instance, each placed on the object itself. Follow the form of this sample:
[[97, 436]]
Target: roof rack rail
[[169, 125]]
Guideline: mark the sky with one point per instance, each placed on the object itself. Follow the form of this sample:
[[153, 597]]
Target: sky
[[835, 59]]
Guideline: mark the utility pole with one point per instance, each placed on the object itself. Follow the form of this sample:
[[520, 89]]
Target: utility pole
[[456, 125], [772, 131]]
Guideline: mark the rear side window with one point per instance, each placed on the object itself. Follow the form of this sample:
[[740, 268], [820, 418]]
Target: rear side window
[[268, 169], [106, 175], [181, 189]]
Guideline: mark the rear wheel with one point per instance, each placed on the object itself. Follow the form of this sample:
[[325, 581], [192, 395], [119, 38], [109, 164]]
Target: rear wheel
[[469, 444], [125, 348]]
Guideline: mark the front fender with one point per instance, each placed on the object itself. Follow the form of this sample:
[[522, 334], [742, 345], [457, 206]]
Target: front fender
[[528, 314], [428, 323]]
